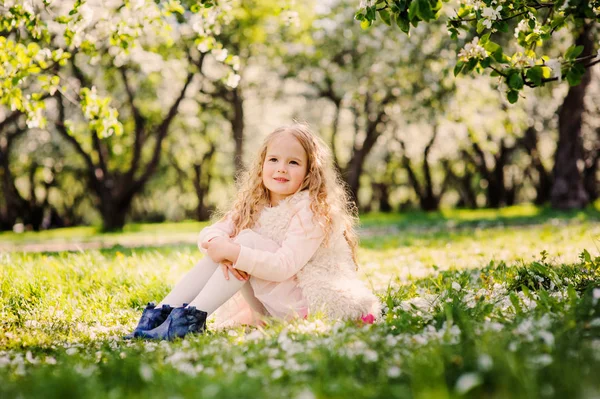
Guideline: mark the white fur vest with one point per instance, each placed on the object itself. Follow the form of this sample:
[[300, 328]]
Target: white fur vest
[[329, 281]]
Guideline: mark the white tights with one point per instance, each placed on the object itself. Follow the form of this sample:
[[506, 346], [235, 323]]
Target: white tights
[[205, 286]]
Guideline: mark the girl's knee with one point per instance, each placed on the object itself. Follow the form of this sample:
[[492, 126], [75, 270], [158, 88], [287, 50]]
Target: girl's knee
[[252, 239], [245, 237]]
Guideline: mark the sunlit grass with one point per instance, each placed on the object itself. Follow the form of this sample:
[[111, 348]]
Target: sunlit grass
[[472, 309]]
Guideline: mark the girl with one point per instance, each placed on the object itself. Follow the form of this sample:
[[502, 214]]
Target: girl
[[288, 241]]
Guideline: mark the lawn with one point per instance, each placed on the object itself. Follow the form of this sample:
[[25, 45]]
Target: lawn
[[491, 303]]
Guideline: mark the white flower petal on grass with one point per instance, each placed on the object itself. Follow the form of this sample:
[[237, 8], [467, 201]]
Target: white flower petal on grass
[[547, 337], [467, 381], [306, 394], [30, 358], [595, 323], [146, 372], [277, 374], [71, 351], [394, 372], [456, 286], [485, 362], [542, 360], [371, 356]]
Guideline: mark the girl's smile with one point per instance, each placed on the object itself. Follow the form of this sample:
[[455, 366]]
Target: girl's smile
[[284, 167]]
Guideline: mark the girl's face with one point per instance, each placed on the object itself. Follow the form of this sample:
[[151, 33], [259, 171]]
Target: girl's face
[[284, 168]]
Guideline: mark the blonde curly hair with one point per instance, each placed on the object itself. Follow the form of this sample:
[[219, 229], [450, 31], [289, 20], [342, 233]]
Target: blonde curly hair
[[329, 199]]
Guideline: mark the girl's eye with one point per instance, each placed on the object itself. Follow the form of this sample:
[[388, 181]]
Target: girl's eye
[[273, 160], [294, 162]]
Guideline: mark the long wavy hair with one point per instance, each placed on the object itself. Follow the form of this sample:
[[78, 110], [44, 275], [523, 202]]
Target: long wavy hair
[[329, 198]]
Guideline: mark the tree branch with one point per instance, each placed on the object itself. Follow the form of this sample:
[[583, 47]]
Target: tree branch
[[139, 126], [62, 129], [162, 131]]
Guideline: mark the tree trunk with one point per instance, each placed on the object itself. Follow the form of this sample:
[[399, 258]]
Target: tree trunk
[[568, 191], [353, 172], [14, 205], [381, 194], [544, 178], [590, 175], [237, 125], [113, 214]]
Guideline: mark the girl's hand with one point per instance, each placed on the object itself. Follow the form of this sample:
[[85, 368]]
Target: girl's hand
[[228, 268], [220, 249]]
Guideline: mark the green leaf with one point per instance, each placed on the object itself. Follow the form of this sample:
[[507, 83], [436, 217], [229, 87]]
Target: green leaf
[[412, 9], [512, 96], [385, 17], [458, 68], [486, 62], [573, 52], [573, 78], [403, 22], [371, 13], [515, 302], [359, 16], [491, 47], [586, 256], [480, 26], [498, 55], [424, 10], [535, 75], [515, 81], [471, 65], [502, 26]]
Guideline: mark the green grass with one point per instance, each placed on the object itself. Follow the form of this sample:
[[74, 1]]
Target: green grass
[[498, 304]]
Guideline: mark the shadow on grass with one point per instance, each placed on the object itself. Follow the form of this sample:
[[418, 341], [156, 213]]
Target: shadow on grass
[[468, 218], [120, 250]]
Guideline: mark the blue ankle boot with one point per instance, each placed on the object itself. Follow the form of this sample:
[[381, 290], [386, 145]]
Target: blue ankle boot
[[151, 318], [180, 322]]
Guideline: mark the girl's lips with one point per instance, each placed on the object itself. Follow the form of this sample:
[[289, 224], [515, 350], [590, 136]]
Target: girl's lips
[[279, 179]]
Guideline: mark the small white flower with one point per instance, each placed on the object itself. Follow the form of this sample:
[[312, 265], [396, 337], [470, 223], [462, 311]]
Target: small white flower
[[555, 65], [146, 372], [542, 360], [71, 351], [472, 50], [485, 362], [547, 337], [233, 80], [50, 360], [220, 54], [394, 372], [466, 382], [456, 286], [371, 356]]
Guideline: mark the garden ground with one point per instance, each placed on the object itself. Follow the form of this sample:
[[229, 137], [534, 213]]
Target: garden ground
[[490, 303]]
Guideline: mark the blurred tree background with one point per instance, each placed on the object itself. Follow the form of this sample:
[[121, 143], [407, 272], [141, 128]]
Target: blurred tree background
[[118, 111]]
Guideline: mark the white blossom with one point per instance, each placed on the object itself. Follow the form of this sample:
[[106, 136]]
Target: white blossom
[[472, 50], [233, 80], [467, 381], [555, 65]]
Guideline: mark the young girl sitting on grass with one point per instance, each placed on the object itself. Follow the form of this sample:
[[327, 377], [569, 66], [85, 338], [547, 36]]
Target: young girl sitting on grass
[[288, 241]]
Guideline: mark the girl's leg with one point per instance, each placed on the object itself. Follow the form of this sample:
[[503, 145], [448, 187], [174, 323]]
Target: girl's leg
[[191, 284], [218, 290]]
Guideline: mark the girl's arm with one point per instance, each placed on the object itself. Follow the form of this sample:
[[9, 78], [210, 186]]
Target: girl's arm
[[223, 228], [302, 240]]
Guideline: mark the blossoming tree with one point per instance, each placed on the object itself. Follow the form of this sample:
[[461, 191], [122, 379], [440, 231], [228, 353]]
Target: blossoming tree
[[107, 71], [526, 61]]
